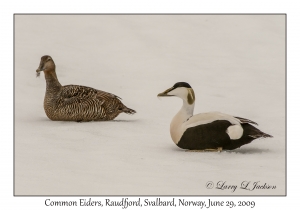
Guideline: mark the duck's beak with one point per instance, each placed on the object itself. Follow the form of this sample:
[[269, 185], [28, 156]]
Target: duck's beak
[[165, 93], [40, 68], [38, 72]]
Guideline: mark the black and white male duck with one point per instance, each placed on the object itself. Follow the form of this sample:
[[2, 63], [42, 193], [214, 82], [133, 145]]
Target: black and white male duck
[[212, 131]]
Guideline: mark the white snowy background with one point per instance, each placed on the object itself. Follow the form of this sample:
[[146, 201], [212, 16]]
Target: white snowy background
[[235, 64]]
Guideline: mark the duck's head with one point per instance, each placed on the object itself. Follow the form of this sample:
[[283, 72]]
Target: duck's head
[[182, 90], [47, 64]]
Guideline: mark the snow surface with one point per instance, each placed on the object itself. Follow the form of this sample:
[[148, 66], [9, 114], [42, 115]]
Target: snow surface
[[235, 64]]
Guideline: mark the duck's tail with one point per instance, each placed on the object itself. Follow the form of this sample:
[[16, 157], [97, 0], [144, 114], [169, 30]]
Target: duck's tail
[[260, 135], [254, 132], [250, 133], [128, 110]]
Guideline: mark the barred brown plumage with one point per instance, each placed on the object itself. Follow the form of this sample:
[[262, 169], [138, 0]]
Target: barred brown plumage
[[75, 102]]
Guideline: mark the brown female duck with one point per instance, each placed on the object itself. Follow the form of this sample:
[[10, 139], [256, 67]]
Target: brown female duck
[[75, 102]]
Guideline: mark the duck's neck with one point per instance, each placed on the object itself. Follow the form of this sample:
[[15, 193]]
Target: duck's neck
[[176, 128], [52, 81], [185, 112]]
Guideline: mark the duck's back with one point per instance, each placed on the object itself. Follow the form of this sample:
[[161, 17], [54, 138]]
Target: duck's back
[[81, 103]]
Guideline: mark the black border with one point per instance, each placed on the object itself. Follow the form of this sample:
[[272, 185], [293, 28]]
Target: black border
[[174, 196]]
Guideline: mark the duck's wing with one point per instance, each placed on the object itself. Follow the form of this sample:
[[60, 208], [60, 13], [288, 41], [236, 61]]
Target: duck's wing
[[78, 94], [205, 136], [210, 130], [213, 135], [206, 131], [80, 103]]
